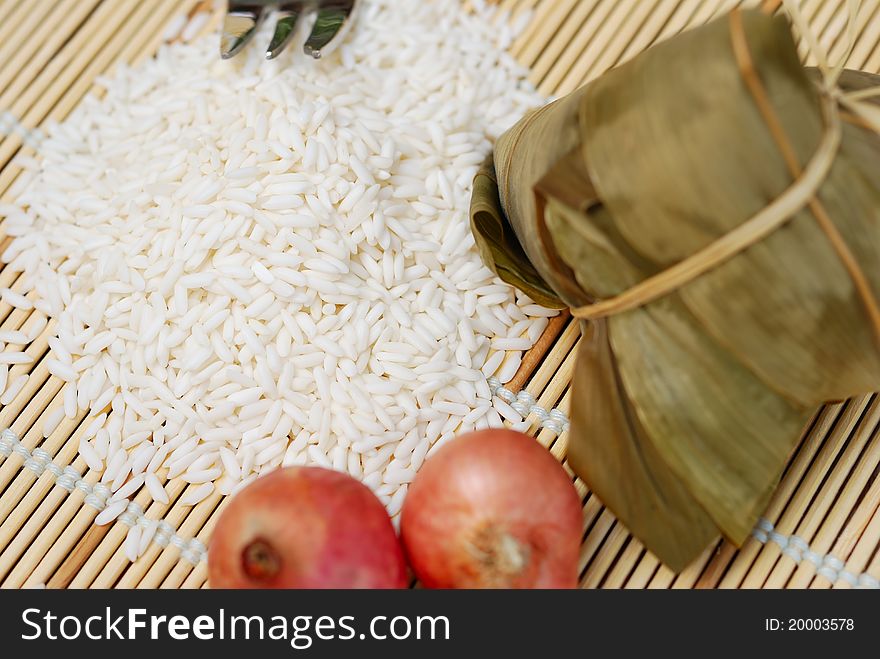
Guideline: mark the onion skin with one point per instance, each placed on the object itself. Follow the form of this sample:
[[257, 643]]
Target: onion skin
[[493, 509], [305, 527]]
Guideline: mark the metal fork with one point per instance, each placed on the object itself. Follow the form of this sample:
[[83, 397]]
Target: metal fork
[[244, 18]]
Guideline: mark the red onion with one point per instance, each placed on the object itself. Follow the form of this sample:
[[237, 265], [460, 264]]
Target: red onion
[[305, 527], [493, 509]]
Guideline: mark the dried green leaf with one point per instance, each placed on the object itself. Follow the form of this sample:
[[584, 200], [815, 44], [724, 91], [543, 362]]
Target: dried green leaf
[[614, 455], [498, 245]]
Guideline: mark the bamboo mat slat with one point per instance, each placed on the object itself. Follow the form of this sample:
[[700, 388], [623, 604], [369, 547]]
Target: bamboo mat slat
[[51, 52]]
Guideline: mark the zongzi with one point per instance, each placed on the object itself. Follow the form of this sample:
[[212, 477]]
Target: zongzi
[[718, 234]]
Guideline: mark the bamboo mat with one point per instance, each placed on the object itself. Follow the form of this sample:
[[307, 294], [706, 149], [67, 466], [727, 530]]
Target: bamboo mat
[[51, 52]]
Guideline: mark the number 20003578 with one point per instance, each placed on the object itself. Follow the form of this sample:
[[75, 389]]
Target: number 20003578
[[809, 624]]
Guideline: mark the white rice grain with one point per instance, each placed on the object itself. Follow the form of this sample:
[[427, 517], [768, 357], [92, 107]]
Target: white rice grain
[[133, 543], [52, 420], [154, 486], [15, 358], [111, 512], [69, 396], [38, 323], [132, 486], [175, 25], [13, 388], [202, 475], [90, 455], [506, 411], [195, 25], [15, 337], [60, 370], [196, 495], [16, 300], [512, 344], [509, 368]]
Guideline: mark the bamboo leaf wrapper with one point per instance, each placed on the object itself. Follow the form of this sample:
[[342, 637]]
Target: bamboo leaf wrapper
[[686, 407]]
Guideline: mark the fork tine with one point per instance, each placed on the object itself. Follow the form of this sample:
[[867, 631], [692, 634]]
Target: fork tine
[[333, 16], [241, 24], [285, 29]]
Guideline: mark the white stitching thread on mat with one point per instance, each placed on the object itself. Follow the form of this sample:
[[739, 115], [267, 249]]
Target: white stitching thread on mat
[[524, 404], [830, 567], [10, 125], [98, 495]]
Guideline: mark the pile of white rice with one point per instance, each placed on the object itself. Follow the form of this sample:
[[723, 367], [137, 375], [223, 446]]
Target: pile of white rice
[[253, 264]]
